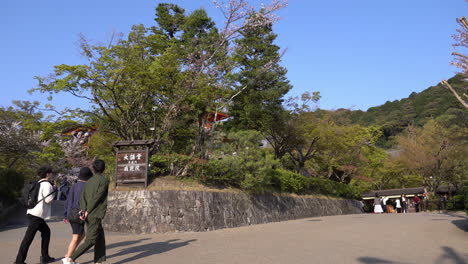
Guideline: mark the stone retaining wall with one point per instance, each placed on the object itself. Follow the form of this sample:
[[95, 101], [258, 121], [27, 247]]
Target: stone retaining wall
[[173, 211]]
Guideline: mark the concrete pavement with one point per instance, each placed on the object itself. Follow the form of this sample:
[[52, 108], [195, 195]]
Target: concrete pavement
[[380, 239]]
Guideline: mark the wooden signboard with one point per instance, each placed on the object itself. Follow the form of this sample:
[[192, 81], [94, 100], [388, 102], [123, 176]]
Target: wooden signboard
[[131, 168]]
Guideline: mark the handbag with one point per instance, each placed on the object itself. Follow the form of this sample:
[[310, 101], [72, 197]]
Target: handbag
[[74, 216]]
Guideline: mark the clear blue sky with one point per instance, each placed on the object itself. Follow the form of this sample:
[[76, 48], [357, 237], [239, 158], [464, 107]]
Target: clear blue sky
[[358, 54]]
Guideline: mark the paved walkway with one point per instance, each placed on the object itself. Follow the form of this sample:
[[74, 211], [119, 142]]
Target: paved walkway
[[381, 239]]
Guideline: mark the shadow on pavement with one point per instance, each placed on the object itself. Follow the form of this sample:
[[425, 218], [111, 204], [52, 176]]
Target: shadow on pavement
[[453, 214], [451, 254], [126, 243], [144, 250], [462, 224], [372, 260]]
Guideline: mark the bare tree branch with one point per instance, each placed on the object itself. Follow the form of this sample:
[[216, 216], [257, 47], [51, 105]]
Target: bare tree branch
[[448, 86]]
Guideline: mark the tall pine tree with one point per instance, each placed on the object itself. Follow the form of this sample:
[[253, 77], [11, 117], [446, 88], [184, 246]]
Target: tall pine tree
[[262, 82]]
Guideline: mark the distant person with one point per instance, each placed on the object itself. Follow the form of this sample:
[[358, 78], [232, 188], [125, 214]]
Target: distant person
[[93, 204], [361, 203], [442, 203], [63, 190], [417, 202], [398, 205], [37, 216], [73, 207], [377, 204], [383, 203], [425, 201], [404, 203]]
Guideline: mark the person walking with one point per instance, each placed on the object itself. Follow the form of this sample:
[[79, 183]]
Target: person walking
[[72, 206], [416, 201], [93, 205], [377, 205], [398, 205], [442, 203], [383, 203], [63, 190], [37, 216], [404, 203]]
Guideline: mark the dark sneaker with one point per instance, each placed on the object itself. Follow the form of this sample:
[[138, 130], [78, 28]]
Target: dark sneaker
[[45, 260]]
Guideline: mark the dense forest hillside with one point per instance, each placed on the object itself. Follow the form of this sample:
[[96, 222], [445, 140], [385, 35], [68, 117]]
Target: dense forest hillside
[[417, 109]]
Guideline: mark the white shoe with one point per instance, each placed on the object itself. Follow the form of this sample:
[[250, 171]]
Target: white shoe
[[66, 261]]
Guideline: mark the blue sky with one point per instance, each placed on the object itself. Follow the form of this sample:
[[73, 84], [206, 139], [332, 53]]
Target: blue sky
[[358, 54]]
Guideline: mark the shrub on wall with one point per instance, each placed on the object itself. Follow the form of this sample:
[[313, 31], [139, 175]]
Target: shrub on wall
[[224, 172], [251, 171], [456, 203], [287, 181], [239, 160], [464, 192]]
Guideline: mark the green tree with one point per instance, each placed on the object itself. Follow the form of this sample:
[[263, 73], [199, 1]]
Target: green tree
[[435, 152], [141, 87], [343, 150], [284, 128], [19, 133], [262, 82], [29, 140]]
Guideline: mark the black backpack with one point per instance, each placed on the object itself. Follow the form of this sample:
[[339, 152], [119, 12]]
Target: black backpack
[[32, 194]]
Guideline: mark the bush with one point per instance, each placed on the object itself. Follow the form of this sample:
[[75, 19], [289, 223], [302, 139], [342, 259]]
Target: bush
[[251, 171], [171, 164], [160, 165], [464, 192], [11, 183], [333, 188], [456, 203], [223, 172], [433, 203], [239, 161], [287, 181]]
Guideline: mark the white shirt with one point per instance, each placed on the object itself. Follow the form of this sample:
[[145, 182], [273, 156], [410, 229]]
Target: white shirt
[[398, 205], [43, 209], [383, 200]]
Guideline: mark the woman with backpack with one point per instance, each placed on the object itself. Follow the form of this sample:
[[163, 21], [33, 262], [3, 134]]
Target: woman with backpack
[[72, 209]]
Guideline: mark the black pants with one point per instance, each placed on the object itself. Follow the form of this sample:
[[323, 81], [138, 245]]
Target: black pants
[[35, 224], [384, 207]]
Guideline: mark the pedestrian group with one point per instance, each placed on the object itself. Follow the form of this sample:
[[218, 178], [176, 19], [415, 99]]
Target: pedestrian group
[[85, 208]]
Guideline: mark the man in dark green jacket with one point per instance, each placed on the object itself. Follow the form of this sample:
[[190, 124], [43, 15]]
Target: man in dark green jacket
[[93, 204]]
